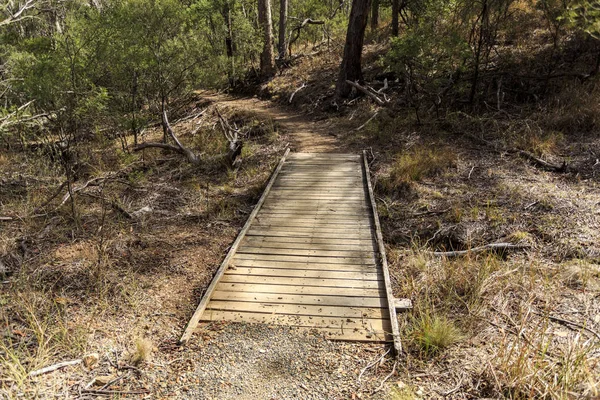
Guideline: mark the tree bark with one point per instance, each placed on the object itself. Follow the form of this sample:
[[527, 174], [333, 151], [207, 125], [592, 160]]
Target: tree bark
[[374, 14], [395, 14], [350, 69], [283, 14], [267, 59]]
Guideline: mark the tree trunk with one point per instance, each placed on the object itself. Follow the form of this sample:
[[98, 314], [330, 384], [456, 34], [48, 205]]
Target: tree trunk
[[267, 59], [350, 68], [375, 14], [283, 13], [226, 12], [395, 14]]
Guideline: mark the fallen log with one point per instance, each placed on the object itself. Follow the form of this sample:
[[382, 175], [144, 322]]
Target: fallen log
[[543, 164], [480, 249]]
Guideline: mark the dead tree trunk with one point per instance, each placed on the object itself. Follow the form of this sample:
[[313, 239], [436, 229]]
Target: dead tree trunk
[[374, 14], [283, 14], [350, 69], [267, 59], [395, 15]]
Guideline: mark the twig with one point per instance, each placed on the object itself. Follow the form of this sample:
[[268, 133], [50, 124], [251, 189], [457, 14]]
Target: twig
[[365, 124], [470, 172], [54, 367], [99, 392], [117, 379], [6, 218], [568, 322], [432, 212], [491, 246], [372, 364], [455, 389], [528, 206], [386, 378]]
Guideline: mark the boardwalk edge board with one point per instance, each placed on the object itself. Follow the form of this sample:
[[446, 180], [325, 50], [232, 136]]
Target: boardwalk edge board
[[193, 323], [384, 264]]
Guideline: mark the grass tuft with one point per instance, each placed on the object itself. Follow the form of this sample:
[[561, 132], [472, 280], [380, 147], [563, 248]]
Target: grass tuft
[[143, 351], [434, 333], [416, 164]]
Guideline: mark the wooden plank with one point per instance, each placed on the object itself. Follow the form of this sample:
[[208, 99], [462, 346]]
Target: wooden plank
[[316, 197], [300, 309], [309, 240], [305, 290], [292, 226], [362, 249], [315, 211], [306, 213], [359, 256], [282, 298], [242, 263], [333, 156], [313, 222], [318, 190], [312, 225], [342, 235], [191, 325], [384, 265], [305, 273], [344, 328], [363, 255], [298, 181], [334, 245], [320, 204], [300, 205], [299, 281], [310, 259], [317, 234]]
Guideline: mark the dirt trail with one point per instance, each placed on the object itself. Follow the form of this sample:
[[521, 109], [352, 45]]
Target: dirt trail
[[304, 134]]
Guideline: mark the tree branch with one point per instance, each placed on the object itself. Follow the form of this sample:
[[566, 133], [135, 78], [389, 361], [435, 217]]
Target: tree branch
[[366, 91], [480, 249], [296, 31]]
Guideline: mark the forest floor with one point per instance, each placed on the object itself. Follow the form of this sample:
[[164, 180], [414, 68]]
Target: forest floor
[[519, 324]]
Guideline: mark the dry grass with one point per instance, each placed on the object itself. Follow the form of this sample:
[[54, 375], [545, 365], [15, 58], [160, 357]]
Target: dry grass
[[416, 164], [72, 288]]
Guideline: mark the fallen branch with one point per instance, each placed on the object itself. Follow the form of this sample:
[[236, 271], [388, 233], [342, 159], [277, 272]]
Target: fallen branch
[[114, 204], [179, 148], [543, 164], [296, 91], [480, 249], [232, 136], [568, 322], [54, 195], [367, 92], [54, 367]]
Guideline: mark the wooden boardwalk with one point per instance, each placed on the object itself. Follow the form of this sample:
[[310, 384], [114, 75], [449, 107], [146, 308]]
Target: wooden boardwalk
[[309, 256]]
